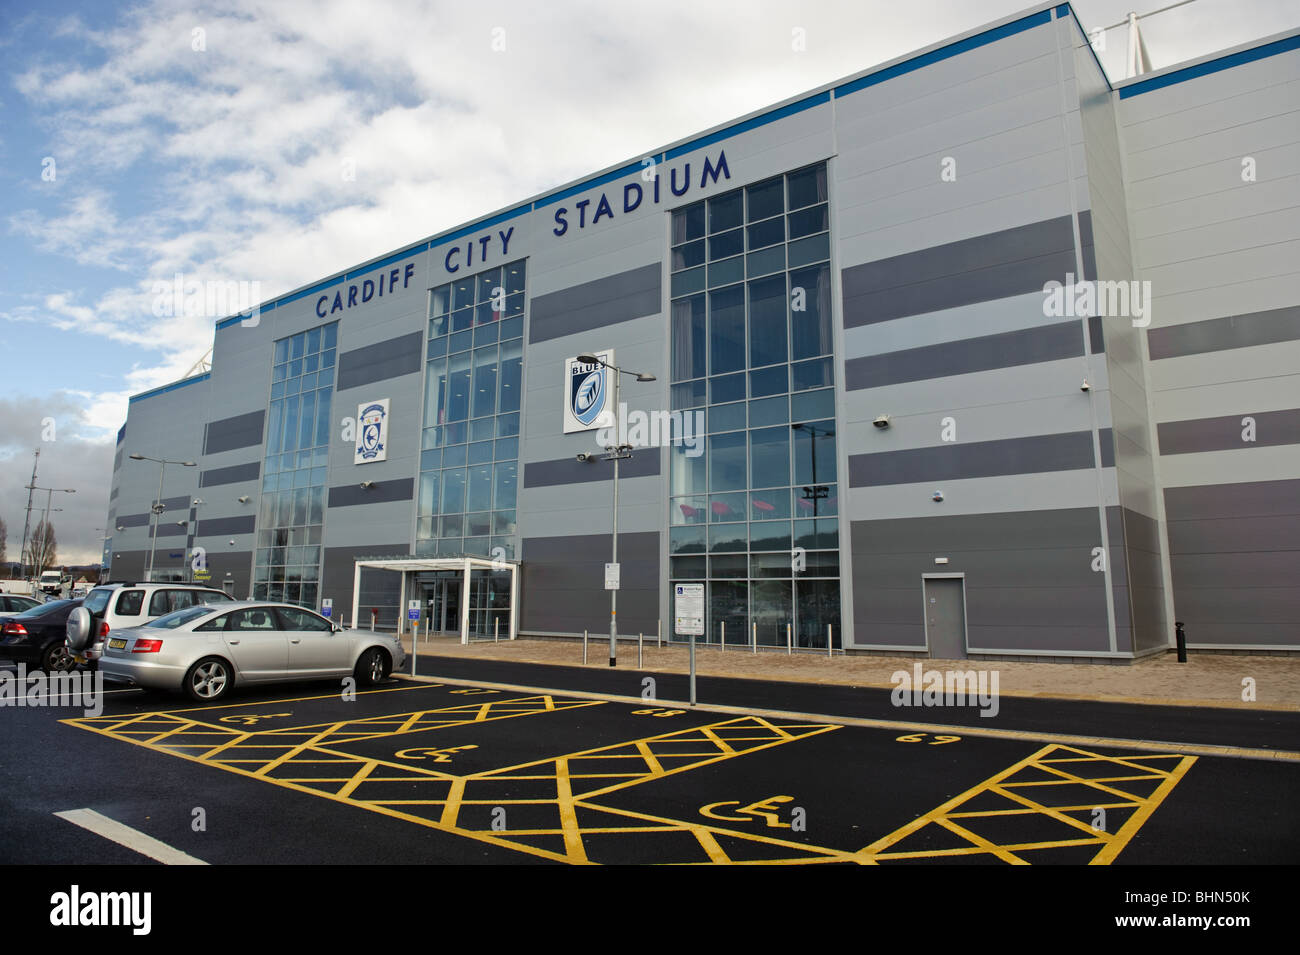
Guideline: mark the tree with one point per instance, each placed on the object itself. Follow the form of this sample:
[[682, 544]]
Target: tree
[[4, 534], [44, 548]]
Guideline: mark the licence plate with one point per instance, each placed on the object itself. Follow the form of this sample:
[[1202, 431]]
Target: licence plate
[[117, 644]]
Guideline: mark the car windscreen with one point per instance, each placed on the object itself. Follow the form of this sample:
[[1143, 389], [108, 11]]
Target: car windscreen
[[50, 609], [178, 618]]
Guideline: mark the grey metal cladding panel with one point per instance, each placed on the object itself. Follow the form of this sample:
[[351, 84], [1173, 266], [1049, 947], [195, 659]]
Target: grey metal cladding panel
[[1033, 455], [1195, 571], [572, 471], [866, 634], [1218, 334], [1248, 499], [351, 495], [1021, 530], [339, 568], [241, 431], [1107, 442], [1077, 638], [1242, 634], [132, 520], [1041, 606], [562, 583], [178, 503], [1224, 433], [978, 269], [1025, 346], [227, 526], [117, 460], [1235, 535], [1230, 605], [1096, 334], [997, 559], [231, 475], [393, 358], [595, 304]]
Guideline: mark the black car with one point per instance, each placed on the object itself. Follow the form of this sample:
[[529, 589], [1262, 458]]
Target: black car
[[39, 636]]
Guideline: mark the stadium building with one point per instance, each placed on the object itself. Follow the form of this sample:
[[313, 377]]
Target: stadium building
[[975, 353]]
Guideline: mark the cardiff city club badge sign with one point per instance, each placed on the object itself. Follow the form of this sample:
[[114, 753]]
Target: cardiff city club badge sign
[[588, 393], [372, 432]]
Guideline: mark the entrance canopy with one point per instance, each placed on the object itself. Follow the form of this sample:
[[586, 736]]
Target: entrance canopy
[[475, 574]]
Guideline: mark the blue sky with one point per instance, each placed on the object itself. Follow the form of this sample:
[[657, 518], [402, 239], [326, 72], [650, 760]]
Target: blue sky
[[210, 140]]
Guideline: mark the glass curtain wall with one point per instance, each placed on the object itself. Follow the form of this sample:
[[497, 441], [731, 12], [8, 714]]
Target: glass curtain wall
[[469, 465], [291, 514], [754, 517]]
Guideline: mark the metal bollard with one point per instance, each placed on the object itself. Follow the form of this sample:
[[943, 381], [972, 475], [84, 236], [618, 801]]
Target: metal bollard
[[753, 637], [829, 651], [1180, 638], [789, 641], [640, 637], [659, 634], [496, 629], [723, 627], [584, 648]]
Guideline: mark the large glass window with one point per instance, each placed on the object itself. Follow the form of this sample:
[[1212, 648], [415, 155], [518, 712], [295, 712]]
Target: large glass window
[[291, 517], [755, 516], [473, 392]]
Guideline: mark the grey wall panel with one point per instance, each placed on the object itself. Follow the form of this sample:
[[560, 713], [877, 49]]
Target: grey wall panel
[[226, 526], [563, 584], [592, 305], [1233, 331], [393, 358], [987, 352], [132, 520], [1224, 433], [1041, 453], [998, 265], [381, 492], [231, 475], [1248, 499], [571, 471], [1028, 578], [228, 434]]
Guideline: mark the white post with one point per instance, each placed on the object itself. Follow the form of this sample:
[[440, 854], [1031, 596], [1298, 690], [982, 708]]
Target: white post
[[829, 652], [659, 633], [723, 627], [640, 638], [356, 592], [464, 606], [584, 648], [496, 629], [789, 641], [514, 600], [401, 611], [753, 636]]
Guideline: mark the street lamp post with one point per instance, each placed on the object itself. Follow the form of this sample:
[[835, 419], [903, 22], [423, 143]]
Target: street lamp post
[[45, 519], [615, 452], [158, 507]]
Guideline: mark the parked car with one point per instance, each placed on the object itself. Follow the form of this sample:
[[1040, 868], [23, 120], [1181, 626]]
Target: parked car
[[39, 636], [12, 604], [205, 651], [115, 606]]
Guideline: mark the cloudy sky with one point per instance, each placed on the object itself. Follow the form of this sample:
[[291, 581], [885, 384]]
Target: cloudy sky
[[139, 140]]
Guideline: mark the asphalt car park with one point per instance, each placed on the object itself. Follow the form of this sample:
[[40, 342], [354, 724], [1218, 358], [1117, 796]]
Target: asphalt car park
[[459, 771]]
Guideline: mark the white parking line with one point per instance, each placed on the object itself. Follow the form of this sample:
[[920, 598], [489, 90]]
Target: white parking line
[[133, 839]]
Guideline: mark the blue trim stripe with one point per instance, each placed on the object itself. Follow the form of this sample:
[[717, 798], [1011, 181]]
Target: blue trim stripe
[[480, 224], [592, 183], [1212, 66], [816, 99], [1062, 10], [947, 52], [166, 388], [388, 260], [121, 433]]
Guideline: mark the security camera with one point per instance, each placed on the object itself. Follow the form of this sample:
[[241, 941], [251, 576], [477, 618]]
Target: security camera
[[232, 542], [583, 457], [938, 496], [244, 499], [882, 421], [367, 485], [1085, 386]]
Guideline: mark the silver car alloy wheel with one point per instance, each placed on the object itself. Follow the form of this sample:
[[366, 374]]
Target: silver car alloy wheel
[[209, 680], [60, 659], [376, 666]]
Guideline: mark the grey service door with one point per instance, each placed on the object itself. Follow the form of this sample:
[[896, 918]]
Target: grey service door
[[945, 618]]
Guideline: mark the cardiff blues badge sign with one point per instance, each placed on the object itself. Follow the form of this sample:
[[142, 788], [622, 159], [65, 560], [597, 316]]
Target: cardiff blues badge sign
[[372, 432], [588, 393]]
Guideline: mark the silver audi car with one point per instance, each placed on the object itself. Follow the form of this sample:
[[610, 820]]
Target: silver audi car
[[205, 651]]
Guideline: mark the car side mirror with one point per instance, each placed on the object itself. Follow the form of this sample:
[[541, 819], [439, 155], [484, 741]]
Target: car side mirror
[[336, 628]]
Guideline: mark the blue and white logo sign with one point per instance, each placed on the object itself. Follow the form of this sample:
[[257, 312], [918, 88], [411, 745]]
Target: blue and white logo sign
[[372, 432], [587, 393]]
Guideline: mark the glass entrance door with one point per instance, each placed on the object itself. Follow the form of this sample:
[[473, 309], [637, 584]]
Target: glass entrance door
[[441, 599]]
